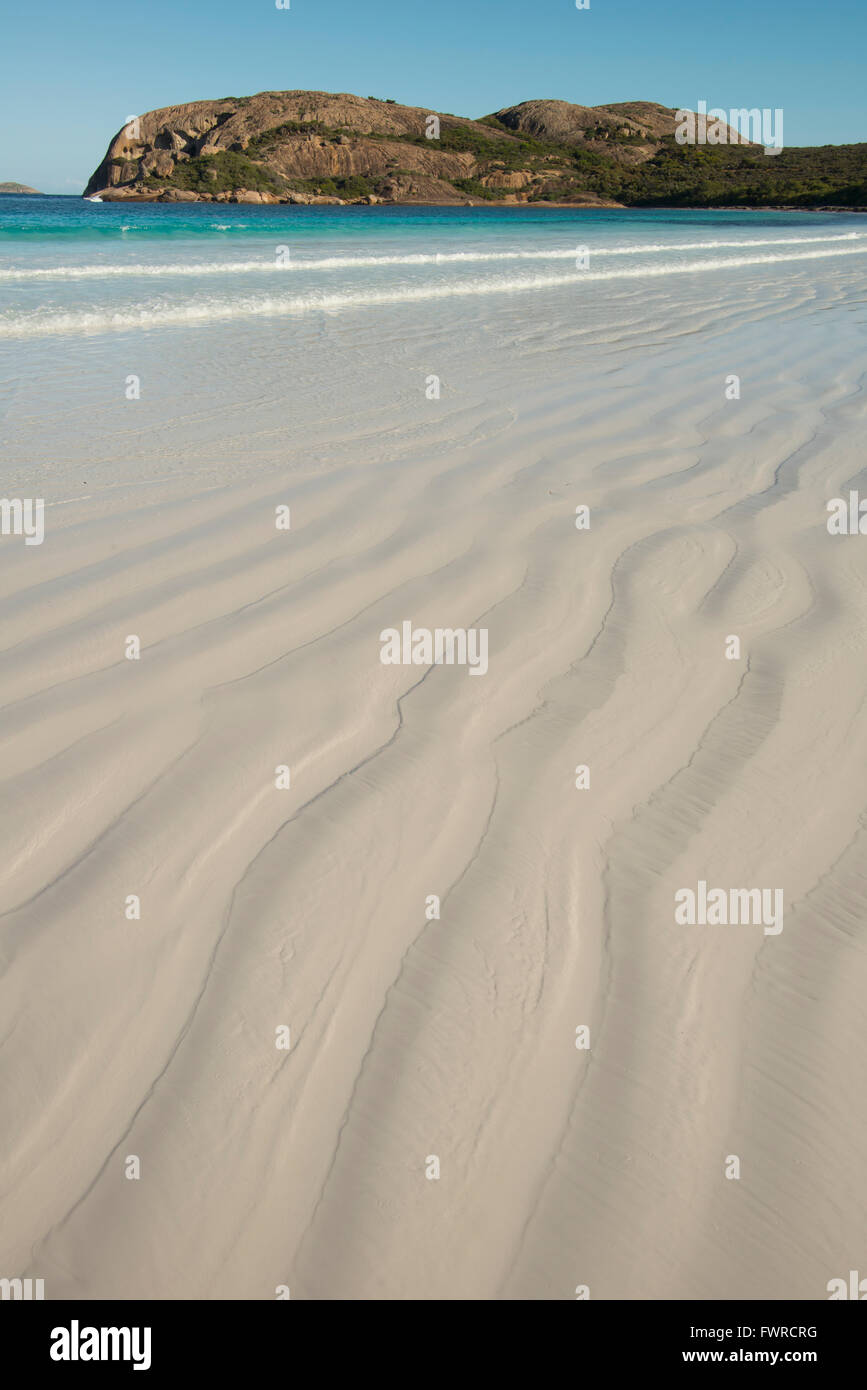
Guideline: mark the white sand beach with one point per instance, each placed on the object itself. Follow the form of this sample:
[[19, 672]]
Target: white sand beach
[[414, 1036]]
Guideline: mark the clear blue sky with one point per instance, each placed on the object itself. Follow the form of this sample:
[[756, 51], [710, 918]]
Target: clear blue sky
[[73, 72]]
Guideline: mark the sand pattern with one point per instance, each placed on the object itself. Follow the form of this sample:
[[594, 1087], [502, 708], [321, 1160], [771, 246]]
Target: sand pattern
[[415, 1036]]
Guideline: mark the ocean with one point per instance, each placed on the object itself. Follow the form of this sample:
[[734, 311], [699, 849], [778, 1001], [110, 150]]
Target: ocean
[[268, 438], [70, 267], [259, 335]]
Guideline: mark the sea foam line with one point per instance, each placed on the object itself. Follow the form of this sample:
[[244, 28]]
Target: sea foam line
[[41, 324], [97, 272]]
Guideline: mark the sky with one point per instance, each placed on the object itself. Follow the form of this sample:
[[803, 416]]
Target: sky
[[73, 73]]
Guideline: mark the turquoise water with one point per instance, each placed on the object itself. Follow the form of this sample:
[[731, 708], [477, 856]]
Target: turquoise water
[[71, 267], [72, 217], [275, 337]]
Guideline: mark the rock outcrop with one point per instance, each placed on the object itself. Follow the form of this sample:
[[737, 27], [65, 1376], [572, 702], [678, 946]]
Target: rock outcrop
[[303, 146], [317, 147], [288, 143]]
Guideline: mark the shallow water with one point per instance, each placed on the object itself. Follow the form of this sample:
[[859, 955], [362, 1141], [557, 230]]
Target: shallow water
[[310, 385], [72, 267], [268, 337]]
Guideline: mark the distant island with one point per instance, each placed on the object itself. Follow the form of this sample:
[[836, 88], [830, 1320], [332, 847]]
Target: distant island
[[315, 147], [18, 188]]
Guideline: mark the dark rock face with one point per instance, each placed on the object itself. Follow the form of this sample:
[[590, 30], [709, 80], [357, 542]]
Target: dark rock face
[[292, 139], [303, 147], [355, 142]]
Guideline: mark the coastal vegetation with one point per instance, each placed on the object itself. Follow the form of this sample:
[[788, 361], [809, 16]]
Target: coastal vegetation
[[302, 145]]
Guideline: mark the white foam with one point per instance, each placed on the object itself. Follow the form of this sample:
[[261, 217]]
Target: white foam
[[41, 324], [421, 258]]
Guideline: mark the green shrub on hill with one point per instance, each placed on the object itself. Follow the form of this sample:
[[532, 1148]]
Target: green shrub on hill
[[676, 176], [225, 172], [729, 175], [474, 189]]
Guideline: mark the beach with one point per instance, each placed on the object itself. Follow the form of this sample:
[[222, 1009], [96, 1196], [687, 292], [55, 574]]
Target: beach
[[264, 437]]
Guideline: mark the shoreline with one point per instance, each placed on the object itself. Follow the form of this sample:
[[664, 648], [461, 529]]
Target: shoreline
[[451, 1034], [469, 202]]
